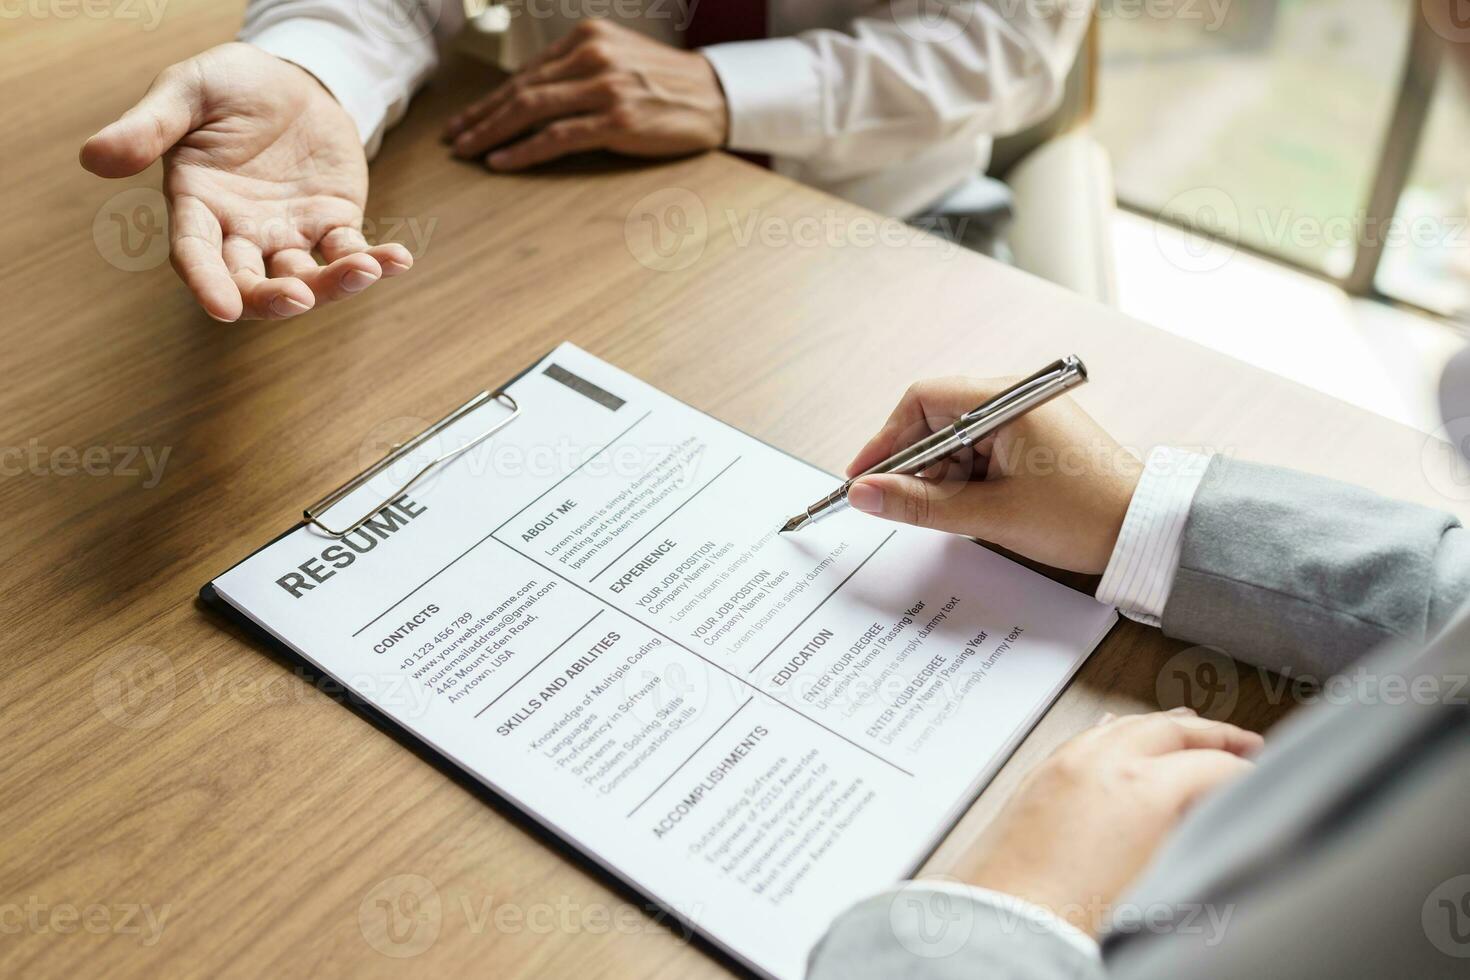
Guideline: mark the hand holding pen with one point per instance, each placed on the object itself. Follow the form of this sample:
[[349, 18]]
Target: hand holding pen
[[1051, 485]]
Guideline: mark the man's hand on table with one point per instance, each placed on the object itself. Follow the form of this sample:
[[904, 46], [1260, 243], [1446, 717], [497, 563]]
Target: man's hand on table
[[261, 168], [1089, 818], [1052, 485], [602, 87]]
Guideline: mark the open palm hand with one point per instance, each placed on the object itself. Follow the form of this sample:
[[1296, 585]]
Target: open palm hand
[[262, 168]]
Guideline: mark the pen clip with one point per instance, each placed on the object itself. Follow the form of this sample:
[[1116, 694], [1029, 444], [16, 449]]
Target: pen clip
[[1058, 376]]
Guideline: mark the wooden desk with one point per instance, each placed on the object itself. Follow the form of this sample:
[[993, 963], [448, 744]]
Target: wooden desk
[[154, 757]]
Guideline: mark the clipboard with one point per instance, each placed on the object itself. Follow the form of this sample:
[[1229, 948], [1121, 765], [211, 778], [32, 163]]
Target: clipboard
[[211, 600], [210, 597], [313, 515], [585, 856]]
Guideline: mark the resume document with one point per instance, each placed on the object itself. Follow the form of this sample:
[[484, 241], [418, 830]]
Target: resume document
[[592, 614]]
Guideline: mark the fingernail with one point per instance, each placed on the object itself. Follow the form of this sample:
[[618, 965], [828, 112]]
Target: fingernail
[[357, 280], [866, 498], [1181, 710], [286, 306], [395, 266], [1106, 717], [498, 159]]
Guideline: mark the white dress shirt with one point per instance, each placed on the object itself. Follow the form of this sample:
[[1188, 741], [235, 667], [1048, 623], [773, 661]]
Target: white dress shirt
[[890, 104], [1146, 555]]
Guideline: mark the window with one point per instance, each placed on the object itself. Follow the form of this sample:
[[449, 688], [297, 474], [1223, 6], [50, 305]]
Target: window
[[1426, 258], [1265, 123]]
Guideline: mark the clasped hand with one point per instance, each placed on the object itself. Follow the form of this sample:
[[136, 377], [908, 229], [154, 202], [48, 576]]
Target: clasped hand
[[601, 87]]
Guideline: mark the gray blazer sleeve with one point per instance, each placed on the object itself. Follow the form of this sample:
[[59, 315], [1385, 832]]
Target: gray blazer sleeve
[[919, 932], [1304, 574]]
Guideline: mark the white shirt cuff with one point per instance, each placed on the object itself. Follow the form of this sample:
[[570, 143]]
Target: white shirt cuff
[[327, 50], [773, 91], [1145, 559], [1014, 909]]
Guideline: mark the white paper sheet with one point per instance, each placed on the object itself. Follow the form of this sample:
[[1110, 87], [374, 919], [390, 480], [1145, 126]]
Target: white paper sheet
[[592, 614]]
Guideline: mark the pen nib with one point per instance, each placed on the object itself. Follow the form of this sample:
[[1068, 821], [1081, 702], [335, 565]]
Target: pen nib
[[795, 524]]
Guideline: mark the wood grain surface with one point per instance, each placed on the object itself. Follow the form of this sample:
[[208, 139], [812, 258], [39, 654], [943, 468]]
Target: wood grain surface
[[158, 760]]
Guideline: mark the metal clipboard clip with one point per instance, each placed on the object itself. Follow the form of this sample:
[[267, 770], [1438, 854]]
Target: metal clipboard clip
[[313, 514]]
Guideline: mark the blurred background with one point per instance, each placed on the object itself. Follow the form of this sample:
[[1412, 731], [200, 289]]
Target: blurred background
[[1292, 186]]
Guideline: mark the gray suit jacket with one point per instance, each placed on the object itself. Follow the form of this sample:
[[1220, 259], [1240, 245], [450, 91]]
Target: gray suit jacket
[[1346, 853]]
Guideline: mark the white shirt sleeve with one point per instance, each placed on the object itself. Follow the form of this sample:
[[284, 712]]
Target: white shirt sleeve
[[1014, 911], [900, 79], [372, 55], [1146, 557]]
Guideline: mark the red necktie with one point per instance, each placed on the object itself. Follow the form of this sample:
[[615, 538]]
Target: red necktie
[[721, 21]]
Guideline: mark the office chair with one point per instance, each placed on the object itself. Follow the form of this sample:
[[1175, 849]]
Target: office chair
[[1061, 185]]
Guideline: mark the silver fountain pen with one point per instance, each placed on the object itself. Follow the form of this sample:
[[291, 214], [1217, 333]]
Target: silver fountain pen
[[968, 429]]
